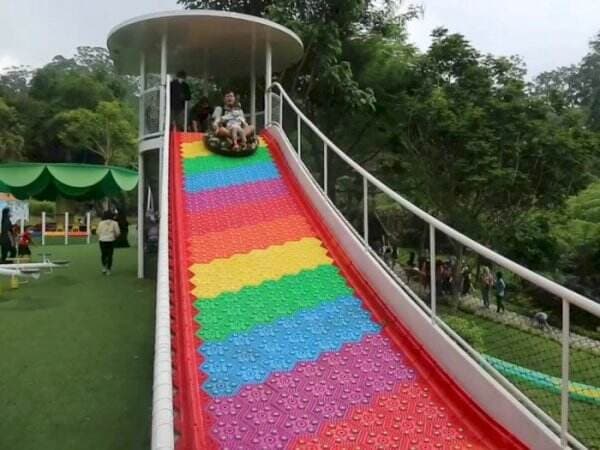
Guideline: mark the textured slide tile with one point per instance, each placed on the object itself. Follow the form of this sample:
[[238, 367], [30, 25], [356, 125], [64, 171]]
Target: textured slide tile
[[238, 312], [224, 244], [256, 267], [250, 357], [235, 195], [223, 178], [408, 418], [241, 215], [301, 403], [196, 166], [195, 149]]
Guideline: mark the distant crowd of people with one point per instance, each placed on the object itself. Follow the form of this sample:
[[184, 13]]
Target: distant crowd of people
[[448, 283], [227, 122], [111, 232]]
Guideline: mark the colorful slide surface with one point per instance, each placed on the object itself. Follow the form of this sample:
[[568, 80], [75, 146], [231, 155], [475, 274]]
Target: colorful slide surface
[[279, 342]]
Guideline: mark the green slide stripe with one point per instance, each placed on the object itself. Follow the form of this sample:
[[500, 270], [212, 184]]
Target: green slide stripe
[[192, 166], [240, 311]]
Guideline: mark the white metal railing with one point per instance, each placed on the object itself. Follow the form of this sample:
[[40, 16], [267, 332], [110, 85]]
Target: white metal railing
[[150, 112], [163, 434], [569, 297]]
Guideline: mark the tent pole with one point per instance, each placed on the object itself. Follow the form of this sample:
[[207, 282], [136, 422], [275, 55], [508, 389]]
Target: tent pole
[[43, 228], [87, 226], [66, 228]]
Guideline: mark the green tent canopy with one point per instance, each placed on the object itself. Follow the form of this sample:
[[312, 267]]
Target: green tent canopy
[[71, 181]]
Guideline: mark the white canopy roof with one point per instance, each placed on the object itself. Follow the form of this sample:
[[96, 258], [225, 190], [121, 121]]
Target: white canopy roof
[[225, 37]]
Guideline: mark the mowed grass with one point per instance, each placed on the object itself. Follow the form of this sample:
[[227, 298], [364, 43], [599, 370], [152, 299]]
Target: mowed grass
[[543, 355], [76, 353]]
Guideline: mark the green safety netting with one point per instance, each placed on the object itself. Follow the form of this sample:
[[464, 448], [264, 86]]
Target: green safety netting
[[71, 181]]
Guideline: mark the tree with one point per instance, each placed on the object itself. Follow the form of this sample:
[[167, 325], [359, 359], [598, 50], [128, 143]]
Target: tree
[[11, 141], [254, 7], [476, 149], [106, 131]]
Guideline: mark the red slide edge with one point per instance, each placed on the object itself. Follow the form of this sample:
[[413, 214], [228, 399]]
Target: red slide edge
[[488, 430], [193, 424]]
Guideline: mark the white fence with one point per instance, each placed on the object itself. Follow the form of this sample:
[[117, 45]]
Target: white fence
[[570, 299]]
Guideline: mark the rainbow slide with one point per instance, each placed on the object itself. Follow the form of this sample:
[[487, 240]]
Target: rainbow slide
[[279, 341]]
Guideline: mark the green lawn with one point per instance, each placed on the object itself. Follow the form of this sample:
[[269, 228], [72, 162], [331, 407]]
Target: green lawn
[[76, 356], [542, 355]]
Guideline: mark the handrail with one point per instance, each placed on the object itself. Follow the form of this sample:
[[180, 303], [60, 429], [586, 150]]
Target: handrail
[[567, 296], [163, 434], [535, 278]]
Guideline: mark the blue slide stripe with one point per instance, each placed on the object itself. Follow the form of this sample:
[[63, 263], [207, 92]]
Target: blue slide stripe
[[249, 358], [239, 175]]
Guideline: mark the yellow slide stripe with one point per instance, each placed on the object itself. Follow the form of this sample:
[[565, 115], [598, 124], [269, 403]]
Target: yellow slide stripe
[[256, 267], [195, 150]]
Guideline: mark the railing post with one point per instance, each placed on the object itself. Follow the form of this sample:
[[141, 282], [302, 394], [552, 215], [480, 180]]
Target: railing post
[[142, 102], [281, 110], [366, 211], [325, 168], [66, 228], [564, 394], [88, 228], [43, 227], [432, 275], [185, 117], [299, 128]]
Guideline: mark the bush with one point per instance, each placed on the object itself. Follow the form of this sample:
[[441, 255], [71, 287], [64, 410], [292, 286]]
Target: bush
[[468, 331], [36, 208]]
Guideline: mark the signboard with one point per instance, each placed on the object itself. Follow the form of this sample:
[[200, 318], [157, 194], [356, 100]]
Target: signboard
[[18, 210]]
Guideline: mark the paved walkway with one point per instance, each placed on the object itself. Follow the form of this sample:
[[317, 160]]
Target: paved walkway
[[473, 304]]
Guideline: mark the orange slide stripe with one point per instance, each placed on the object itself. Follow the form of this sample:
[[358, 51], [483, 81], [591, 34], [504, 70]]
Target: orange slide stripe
[[224, 244]]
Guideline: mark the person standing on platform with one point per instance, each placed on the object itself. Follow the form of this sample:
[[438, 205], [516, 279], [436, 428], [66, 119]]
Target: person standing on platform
[[180, 93], [108, 231]]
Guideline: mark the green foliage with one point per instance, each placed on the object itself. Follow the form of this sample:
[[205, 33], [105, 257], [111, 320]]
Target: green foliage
[[578, 234], [468, 330], [106, 131], [469, 138], [36, 208], [42, 98], [576, 86], [254, 7], [529, 240], [11, 140]]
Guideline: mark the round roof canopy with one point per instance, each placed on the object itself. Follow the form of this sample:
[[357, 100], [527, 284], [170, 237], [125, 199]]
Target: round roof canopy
[[72, 181], [226, 39]]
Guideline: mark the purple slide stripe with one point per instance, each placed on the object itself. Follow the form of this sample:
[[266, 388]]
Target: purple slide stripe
[[297, 403], [233, 195]]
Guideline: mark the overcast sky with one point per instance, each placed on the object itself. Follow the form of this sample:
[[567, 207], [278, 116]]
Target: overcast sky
[[546, 33]]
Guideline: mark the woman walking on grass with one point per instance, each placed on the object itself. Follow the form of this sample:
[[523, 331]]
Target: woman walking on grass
[[108, 231]]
